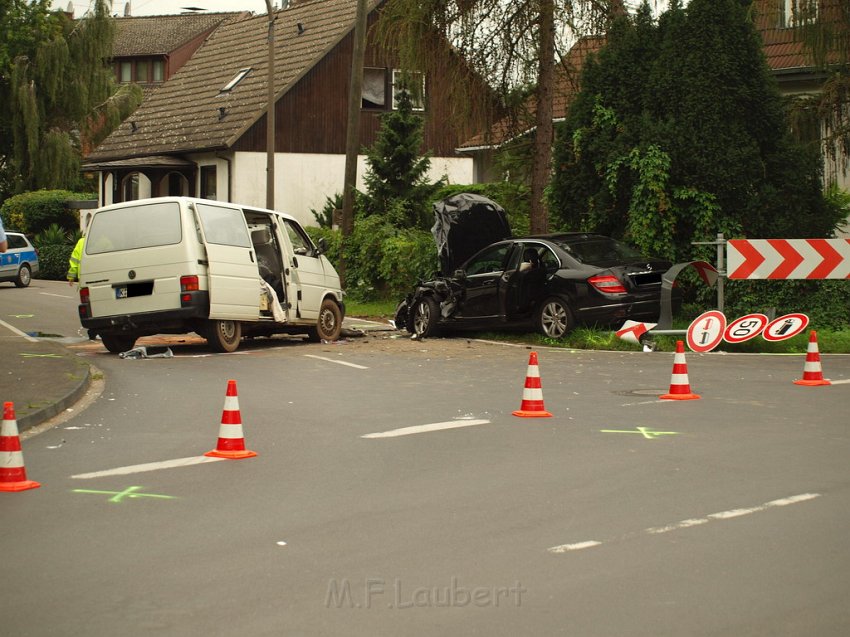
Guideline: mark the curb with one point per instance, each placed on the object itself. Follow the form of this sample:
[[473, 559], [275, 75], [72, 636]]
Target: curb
[[35, 418]]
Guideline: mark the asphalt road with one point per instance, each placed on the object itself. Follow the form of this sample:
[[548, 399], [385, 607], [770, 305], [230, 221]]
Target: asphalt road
[[620, 515]]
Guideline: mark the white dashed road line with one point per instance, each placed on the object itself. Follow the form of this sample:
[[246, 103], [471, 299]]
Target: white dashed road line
[[150, 466], [418, 429], [684, 524], [332, 360]]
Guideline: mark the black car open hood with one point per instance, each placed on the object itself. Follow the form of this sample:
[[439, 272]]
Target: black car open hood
[[464, 224]]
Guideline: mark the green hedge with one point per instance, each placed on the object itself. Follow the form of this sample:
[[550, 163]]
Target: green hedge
[[53, 262], [34, 212]]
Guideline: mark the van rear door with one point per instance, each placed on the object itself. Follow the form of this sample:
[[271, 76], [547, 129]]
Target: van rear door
[[234, 280]]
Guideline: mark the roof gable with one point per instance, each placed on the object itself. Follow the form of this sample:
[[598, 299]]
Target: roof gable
[[162, 34], [190, 113]]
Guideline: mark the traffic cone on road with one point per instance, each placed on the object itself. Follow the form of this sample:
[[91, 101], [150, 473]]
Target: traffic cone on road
[[812, 372], [231, 441], [680, 387], [532, 393], [13, 474]]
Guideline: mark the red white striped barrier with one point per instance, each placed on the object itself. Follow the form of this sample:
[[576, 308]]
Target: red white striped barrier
[[13, 474], [231, 441], [788, 258], [532, 393], [812, 372], [680, 386]]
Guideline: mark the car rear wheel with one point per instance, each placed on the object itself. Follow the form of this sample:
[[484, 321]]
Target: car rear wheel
[[426, 313], [554, 318], [24, 276], [117, 343], [329, 325], [224, 336]]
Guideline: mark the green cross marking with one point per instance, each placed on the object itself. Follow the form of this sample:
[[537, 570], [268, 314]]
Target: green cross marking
[[22, 315], [646, 432], [129, 492]]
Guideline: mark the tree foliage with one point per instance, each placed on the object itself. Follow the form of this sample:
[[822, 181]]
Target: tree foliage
[[61, 93], [396, 179], [679, 132]]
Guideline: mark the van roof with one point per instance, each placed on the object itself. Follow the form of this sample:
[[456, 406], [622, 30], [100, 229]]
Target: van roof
[[188, 200]]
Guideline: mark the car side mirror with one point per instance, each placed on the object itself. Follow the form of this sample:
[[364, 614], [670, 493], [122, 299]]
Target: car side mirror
[[322, 245], [460, 274]]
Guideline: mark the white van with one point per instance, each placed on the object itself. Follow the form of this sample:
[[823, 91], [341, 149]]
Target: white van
[[174, 265]]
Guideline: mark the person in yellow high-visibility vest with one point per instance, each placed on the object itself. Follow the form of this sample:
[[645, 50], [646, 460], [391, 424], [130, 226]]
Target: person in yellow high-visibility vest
[[74, 261]]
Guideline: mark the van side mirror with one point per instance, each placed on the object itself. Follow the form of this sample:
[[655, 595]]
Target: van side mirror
[[322, 245]]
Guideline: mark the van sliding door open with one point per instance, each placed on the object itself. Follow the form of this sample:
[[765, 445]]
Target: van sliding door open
[[234, 280]]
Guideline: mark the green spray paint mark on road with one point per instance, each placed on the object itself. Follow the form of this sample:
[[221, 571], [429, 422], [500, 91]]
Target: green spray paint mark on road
[[646, 432], [129, 492]]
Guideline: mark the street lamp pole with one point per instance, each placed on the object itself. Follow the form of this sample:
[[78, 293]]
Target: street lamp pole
[[270, 123]]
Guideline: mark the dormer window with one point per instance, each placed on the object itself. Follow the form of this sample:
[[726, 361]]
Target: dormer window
[[241, 75], [797, 12]]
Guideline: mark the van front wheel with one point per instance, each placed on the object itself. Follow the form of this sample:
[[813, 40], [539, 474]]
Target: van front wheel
[[224, 336], [329, 324]]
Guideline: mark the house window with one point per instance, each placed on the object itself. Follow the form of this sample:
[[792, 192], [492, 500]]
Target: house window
[[142, 72], [415, 83], [158, 68], [208, 182], [374, 88], [125, 72], [232, 83], [797, 12]]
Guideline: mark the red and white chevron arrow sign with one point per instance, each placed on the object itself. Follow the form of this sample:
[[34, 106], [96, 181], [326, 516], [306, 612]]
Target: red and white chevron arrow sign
[[788, 258]]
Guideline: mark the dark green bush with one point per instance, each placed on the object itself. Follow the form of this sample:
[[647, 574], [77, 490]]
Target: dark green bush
[[826, 303], [34, 212], [53, 261]]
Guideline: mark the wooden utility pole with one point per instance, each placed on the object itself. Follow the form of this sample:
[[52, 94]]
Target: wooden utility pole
[[352, 140], [270, 123]]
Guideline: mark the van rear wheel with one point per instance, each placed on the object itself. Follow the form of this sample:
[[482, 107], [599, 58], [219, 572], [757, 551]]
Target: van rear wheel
[[224, 336], [117, 343]]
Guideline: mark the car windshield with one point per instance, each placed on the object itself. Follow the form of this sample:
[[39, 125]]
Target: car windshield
[[597, 250]]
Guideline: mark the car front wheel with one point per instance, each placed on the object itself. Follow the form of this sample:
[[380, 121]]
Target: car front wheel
[[24, 276], [554, 318], [426, 313]]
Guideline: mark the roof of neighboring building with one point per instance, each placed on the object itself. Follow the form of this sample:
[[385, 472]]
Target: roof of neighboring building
[[566, 87], [189, 112], [161, 34], [784, 47]]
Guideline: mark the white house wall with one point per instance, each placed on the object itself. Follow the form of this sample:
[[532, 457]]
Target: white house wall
[[304, 181]]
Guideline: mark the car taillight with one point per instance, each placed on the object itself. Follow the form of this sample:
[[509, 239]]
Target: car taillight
[[189, 283], [607, 283], [84, 295]]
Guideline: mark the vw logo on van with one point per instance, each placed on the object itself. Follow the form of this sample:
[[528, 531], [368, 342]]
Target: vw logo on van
[[132, 274]]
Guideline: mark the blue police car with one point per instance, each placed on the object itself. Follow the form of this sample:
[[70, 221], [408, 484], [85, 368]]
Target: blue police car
[[20, 261]]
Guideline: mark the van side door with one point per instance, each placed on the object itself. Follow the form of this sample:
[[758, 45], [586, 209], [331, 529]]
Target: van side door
[[234, 280], [308, 274]]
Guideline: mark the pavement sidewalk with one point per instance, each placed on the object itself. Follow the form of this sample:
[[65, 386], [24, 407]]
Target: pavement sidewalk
[[41, 377]]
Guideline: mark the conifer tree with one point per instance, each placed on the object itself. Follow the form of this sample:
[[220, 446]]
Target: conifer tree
[[396, 178]]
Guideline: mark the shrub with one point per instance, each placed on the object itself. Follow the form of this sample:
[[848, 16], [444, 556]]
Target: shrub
[[34, 212], [53, 261]]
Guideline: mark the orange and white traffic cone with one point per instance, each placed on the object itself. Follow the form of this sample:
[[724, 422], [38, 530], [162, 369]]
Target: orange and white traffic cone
[[13, 474], [532, 393], [231, 441], [680, 387], [812, 372]]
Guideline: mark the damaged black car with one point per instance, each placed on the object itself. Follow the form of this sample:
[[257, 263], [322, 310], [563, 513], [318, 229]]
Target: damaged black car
[[548, 283]]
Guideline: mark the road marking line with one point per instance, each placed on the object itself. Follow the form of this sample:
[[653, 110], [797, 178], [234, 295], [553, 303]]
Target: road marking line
[[61, 296], [150, 466], [840, 382], [418, 429], [18, 332], [684, 524], [563, 548], [331, 360]]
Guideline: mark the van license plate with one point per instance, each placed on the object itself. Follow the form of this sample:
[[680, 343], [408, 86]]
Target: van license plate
[[121, 293]]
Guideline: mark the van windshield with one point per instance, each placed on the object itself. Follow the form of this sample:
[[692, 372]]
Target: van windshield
[[145, 226]]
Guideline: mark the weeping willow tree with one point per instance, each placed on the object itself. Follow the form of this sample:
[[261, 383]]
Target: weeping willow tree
[[514, 46], [61, 92]]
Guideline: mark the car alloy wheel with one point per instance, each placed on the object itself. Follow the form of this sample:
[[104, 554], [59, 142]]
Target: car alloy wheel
[[555, 318]]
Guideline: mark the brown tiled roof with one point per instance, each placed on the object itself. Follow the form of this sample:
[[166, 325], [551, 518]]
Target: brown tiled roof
[[783, 47], [566, 87], [183, 115], [161, 34]]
